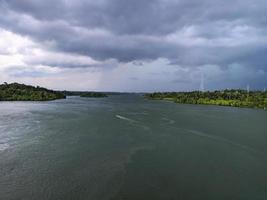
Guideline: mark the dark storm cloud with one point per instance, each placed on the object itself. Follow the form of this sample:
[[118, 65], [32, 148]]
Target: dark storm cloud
[[153, 17], [132, 30]]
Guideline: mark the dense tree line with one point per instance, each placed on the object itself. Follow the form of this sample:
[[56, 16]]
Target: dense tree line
[[85, 94], [94, 94], [21, 92], [237, 98]]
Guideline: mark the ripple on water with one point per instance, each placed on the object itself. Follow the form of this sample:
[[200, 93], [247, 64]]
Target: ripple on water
[[3, 146]]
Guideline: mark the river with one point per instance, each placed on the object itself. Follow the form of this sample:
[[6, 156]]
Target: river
[[127, 147]]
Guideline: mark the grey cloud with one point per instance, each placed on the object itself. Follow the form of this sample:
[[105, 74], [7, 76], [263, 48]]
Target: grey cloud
[[134, 78], [18, 71], [135, 17], [224, 32]]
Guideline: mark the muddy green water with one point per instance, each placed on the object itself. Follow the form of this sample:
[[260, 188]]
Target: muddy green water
[[126, 147]]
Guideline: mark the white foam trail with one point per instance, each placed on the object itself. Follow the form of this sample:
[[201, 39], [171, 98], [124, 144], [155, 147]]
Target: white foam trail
[[221, 139], [126, 119], [4, 146], [132, 122], [170, 121]]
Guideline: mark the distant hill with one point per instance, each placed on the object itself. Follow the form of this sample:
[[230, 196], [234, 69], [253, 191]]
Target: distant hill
[[21, 92], [236, 98]]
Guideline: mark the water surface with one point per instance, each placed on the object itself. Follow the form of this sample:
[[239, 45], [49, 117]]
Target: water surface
[[126, 147]]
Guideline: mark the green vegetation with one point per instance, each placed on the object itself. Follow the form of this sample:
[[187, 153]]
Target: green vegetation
[[94, 94], [85, 94], [236, 98], [21, 92]]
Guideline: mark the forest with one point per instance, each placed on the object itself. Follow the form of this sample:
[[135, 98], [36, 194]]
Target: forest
[[93, 94], [235, 98], [85, 94], [22, 92]]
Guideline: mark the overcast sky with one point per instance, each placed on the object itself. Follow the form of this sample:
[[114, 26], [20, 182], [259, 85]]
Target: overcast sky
[[134, 45]]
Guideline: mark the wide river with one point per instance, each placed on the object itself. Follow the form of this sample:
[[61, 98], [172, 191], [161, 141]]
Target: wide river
[[128, 148]]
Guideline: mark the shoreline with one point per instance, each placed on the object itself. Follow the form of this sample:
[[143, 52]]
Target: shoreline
[[172, 100]]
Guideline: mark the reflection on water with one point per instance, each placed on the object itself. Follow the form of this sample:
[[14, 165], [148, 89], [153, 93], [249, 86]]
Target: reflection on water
[[125, 147]]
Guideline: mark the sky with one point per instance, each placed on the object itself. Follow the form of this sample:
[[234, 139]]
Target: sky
[[134, 45]]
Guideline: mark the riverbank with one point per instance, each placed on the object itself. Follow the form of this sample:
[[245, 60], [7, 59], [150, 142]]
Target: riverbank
[[22, 92], [233, 98]]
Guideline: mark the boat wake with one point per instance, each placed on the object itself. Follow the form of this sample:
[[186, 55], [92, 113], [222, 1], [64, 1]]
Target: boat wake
[[169, 121], [3, 146], [126, 119], [221, 139], [132, 121]]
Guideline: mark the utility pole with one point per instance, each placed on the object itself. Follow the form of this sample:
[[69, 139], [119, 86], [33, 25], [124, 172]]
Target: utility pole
[[248, 88], [247, 91], [202, 88]]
